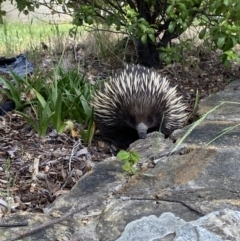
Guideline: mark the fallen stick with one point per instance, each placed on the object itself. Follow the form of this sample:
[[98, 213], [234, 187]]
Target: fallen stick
[[45, 225]]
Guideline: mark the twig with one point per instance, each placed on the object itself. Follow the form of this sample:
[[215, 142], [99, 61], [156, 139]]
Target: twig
[[13, 225], [77, 144], [33, 230]]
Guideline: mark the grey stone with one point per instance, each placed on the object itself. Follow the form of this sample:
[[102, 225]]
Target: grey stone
[[151, 227], [227, 112], [155, 146], [217, 226], [210, 132]]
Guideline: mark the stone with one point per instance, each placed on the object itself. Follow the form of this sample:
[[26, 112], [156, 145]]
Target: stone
[[169, 227]]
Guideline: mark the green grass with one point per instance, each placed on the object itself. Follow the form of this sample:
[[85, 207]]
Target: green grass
[[18, 38]]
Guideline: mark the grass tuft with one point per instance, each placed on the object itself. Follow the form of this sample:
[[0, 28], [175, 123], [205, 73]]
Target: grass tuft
[[18, 38]]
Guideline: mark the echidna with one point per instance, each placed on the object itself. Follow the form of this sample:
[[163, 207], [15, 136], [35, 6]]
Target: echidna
[[137, 101]]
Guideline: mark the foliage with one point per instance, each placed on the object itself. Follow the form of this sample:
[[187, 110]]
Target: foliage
[[130, 158], [152, 24], [14, 89], [53, 98], [223, 28]]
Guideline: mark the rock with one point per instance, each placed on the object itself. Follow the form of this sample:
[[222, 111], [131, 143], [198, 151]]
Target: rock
[[228, 111], [169, 227], [155, 146]]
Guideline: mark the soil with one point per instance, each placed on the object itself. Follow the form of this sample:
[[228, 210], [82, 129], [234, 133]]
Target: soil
[[35, 170]]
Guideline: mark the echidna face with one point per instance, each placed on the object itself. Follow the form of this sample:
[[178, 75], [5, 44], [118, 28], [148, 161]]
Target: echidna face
[[142, 124]]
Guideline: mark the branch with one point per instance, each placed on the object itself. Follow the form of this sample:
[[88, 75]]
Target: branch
[[132, 5], [118, 8], [33, 230], [52, 8]]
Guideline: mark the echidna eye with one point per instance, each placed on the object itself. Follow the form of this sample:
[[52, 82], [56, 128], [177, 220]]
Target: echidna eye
[[150, 120], [132, 120]]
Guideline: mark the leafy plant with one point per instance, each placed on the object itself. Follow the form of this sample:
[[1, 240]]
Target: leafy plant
[[76, 93], [130, 158], [55, 97], [43, 117], [16, 88]]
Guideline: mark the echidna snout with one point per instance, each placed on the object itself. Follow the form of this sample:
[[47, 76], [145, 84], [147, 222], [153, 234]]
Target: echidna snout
[[141, 122], [142, 130]]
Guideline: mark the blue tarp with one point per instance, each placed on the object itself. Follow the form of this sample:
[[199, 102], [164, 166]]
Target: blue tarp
[[20, 66]]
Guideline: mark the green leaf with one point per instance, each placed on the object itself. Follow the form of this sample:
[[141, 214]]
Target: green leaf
[[85, 105], [152, 37], [171, 27], [144, 38], [56, 118], [135, 156], [133, 170], [142, 27], [220, 42], [228, 44], [168, 60], [184, 26], [40, 98], [15, 93], [202, 33], [89, 20], [132, 13], [123, 155], [126, 167], [61, 127], [169, 9], [91, 129], [226, 2]]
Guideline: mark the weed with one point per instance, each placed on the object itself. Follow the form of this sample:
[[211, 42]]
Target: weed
[[7, 195], [130, 158]]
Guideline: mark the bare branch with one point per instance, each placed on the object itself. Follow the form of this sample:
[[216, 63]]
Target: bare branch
[[33, 230]]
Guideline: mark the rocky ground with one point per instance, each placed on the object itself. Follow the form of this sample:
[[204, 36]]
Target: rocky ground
[[34, 170]]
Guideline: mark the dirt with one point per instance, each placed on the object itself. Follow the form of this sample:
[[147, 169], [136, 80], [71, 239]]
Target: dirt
[[35, 170]]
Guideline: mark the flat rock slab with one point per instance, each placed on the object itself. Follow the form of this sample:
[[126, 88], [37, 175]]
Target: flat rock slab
[[230, 110], [202, 174], [188, 186], [212, 133]]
